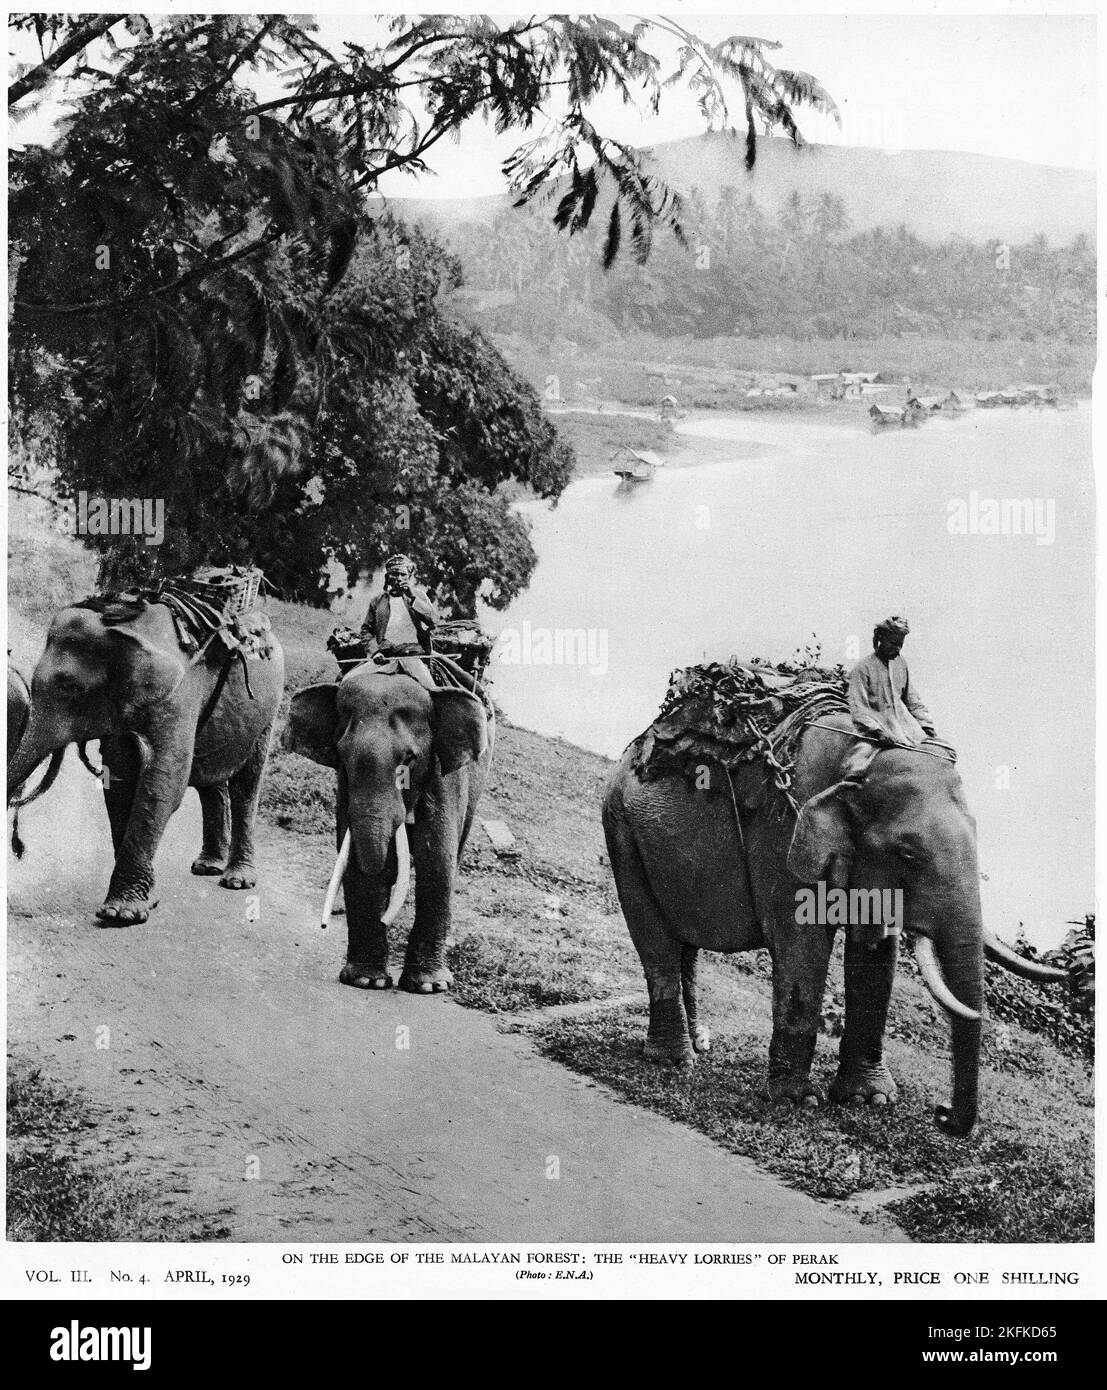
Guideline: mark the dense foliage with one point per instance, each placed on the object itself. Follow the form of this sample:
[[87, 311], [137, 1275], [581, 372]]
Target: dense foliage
[[797, 271], [1063, 1013], [203, 312]]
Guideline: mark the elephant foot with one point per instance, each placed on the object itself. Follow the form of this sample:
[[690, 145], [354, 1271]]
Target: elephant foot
[[800, 1091], [364, 976], [956, 1123], [676, 1054], [426, 981], [864, 1086], [207, 866], [119, 912], [239, 876], [701, 1037]]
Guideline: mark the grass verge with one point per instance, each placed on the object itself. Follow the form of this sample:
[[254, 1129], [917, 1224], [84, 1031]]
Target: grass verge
[[1010, 1181], [60, 1191]]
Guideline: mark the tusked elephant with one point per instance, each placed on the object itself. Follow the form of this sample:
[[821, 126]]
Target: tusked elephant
[[704, 869], [165, 722], [412, 764]]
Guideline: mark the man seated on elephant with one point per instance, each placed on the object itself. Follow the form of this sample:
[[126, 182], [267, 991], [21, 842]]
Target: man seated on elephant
[[884, 704], [401, 619]]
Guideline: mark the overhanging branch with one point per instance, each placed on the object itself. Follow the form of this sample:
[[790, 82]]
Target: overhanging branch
[[79, 39]]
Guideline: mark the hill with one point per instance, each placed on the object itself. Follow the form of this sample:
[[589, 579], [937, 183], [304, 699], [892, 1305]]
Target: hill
[[934, 193]]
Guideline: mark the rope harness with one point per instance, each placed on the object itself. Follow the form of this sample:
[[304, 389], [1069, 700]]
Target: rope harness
[[733, 713], [948, 753]]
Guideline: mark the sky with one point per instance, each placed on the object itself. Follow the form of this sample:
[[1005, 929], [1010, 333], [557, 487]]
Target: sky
[[1015, 85]]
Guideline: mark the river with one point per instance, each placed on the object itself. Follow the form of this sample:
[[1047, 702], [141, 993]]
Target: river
[[814, 530]]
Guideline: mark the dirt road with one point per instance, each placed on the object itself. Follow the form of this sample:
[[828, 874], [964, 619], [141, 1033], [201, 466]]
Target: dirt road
[[277, 1105]]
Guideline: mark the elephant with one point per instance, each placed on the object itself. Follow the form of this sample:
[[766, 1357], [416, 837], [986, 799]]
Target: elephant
[[412, 763], [720, 868], [165, 722]]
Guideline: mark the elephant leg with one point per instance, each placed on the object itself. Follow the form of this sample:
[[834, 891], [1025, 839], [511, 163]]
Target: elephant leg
[[689, 973], [862, 1076], [800, 959], [245, 793], [366, 964], [215, 807], [668, 1038], [122, 767], [158, 793], [434, 856]]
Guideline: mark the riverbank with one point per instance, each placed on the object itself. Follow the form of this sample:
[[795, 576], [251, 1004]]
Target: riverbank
[[597, 434], [718, 373], [620, 409]]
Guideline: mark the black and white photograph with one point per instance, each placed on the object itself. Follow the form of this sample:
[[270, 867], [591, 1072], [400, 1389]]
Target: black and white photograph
[[551, 638]]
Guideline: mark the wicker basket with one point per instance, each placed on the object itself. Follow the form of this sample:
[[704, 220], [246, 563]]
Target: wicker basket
[[349, 648], [464, 641], [233, 590]]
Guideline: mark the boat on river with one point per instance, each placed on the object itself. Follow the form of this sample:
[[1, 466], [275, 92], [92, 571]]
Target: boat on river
[[635, 465]]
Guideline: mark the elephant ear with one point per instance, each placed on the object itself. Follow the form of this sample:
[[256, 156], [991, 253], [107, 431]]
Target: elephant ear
[[145, 673], [312, 728], [823, 834], [460, 729]]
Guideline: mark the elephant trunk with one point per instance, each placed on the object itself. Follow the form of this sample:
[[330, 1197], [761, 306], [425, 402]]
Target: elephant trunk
[[398, 896], [372, 842], [48, 779], [40, 741], [961, 969], [934, 980], [957, 1119]]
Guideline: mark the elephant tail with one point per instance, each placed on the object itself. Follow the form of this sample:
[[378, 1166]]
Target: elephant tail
[[18, 847]]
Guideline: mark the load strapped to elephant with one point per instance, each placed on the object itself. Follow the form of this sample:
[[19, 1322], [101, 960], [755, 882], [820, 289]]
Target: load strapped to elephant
[[725, 713], [214, 611], [458, 656]]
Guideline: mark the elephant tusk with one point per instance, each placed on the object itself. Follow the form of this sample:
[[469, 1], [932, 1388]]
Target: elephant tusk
[[398, 895], [995, 950], [931, 972], [336, 878]]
